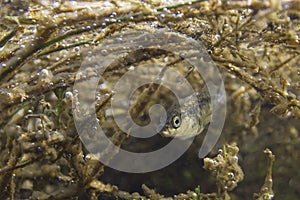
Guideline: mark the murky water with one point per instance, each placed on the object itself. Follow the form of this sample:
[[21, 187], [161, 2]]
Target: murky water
[[255, 44]]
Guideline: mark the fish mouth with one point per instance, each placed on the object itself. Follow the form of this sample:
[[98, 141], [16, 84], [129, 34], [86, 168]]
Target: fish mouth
[[166, 133]]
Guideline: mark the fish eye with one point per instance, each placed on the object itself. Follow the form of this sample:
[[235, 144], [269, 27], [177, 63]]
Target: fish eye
[[176, 121]]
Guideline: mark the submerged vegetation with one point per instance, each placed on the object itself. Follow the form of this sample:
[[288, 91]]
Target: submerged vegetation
[[256, 46]]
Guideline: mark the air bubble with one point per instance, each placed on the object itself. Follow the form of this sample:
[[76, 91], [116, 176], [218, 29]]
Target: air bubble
[[98, 97], [183, 55], [87, 157], [76, 49], [235, 158], [230, 175], [69, 95], [104, 52], [102, 86]]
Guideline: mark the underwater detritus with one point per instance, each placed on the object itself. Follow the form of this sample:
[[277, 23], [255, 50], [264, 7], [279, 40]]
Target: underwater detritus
[[266, 192], [226, 169]]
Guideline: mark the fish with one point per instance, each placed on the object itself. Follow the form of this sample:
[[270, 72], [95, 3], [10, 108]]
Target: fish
[[189, 119]]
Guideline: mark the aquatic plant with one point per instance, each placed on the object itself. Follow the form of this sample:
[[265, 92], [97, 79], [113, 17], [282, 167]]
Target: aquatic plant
[[255, 45]]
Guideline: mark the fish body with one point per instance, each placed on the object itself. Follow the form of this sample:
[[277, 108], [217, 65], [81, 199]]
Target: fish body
[[189, 119]]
